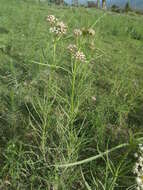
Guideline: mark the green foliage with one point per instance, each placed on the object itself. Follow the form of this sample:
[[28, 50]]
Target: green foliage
[[116, 9], [127, 7]]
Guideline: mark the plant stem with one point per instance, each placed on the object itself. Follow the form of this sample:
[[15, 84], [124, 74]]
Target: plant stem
[[73, 89], [54, 52], [95, 157], [43, 141]]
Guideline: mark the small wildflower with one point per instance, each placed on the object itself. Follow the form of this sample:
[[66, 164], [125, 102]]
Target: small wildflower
[[136, 155], [141, 160], [52, 29], [59, 29], [80, 56], [77, 32], [93, 98], [139, 181], [72, 48], [51, 19], [91, 32]]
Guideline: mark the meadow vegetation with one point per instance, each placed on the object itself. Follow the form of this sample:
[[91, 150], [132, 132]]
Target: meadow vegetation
[[71, 97]]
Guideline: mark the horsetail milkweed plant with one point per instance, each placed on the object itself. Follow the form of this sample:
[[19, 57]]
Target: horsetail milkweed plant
[[59, 28]]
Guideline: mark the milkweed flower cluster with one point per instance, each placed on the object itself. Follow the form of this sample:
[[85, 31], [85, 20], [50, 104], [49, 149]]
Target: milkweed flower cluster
[[58, 27], [72, 48], [78, 55], [138, 168], [61, 27], [51, 19], [77, 32]]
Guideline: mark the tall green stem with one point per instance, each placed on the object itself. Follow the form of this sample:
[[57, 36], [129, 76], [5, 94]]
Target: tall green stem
[[73, 89], [54, 52], [44, 141]]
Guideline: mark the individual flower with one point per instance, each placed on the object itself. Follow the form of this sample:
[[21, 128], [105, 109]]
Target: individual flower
[[136, 155], [79, 56], [91, 32], [77, 32], [139, 181], [72, 48], [52, 29], [51, 19], [93, 98]]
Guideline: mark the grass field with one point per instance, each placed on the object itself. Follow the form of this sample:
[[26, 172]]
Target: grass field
[[58, 114]]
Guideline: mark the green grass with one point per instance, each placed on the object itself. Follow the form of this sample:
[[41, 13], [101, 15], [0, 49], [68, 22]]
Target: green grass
[[49, 119]]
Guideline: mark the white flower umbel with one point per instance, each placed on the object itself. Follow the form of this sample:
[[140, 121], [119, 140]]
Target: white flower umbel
[[59, 28], [72, 48], [51, 19], [138, 168], [77, 32], [79, 56]]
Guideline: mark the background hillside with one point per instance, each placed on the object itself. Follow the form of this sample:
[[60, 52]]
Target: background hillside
[[135, 4]]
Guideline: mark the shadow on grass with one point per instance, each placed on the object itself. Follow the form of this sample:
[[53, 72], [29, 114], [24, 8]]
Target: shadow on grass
[[3, 30]]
